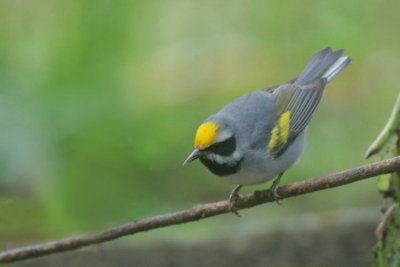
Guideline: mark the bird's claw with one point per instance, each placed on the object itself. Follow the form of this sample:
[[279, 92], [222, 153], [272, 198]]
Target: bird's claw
[[233, 198], [274, 189]]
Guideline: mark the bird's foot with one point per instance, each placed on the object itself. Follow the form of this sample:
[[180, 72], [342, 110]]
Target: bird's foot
[[233, 197], [274, 189]]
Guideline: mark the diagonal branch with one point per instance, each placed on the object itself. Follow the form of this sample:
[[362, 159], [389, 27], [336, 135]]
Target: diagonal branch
[[203, 211]]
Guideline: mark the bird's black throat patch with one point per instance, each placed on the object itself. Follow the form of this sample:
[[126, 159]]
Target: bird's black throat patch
[[225, 149], [221, 169]]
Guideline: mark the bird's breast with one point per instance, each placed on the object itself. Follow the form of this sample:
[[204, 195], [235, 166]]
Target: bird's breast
[[221, 168]]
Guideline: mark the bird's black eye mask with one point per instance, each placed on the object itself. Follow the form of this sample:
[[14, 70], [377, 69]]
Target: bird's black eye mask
[[224, 148]]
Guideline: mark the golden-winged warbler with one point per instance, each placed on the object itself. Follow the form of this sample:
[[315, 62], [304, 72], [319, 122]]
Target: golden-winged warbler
[[258, 136]]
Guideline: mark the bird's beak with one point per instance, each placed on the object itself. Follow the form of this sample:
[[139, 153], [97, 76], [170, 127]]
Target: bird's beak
[[194, 155]]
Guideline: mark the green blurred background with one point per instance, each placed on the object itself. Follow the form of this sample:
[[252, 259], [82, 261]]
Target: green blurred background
[[100, 100]]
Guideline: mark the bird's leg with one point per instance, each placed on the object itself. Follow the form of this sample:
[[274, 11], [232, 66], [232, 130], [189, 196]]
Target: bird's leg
[[233, 197], [274, 188]]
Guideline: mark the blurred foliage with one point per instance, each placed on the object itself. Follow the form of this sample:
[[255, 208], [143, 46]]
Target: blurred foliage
[[99, 101]]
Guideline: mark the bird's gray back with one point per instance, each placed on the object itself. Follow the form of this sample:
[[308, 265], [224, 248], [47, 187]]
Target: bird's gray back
[[253, 117]]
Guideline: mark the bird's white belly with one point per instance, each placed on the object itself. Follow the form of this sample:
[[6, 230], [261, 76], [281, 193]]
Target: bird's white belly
[[259, 168], [249, 178]]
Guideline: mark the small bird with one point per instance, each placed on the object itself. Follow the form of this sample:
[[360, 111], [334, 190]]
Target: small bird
[[258, 136]]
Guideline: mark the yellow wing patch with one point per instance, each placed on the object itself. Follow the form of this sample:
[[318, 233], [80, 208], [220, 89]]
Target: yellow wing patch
[[206, 134], [280, 133]]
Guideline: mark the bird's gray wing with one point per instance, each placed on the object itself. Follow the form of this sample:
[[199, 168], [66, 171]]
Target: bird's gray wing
[[295, 106], [271, 89]]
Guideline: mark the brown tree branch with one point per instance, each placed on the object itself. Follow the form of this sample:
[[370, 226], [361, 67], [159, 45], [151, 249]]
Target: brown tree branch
[[203, 211]]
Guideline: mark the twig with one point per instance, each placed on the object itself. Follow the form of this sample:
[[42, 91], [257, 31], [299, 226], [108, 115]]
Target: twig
[[391, 127], [204, 211]]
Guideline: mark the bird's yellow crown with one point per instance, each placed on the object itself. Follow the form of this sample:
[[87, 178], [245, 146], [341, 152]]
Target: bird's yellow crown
[[206, 134]]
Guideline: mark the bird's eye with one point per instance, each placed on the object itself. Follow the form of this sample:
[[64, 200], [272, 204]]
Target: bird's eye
[[223, 148]]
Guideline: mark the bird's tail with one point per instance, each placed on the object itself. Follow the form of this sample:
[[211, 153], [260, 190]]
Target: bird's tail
[[324, 64]]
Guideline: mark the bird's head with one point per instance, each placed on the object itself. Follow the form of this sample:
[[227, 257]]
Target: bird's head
[[212, 137]]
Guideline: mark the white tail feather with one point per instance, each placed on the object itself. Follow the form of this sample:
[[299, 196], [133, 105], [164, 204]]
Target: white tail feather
[[336, 68]]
